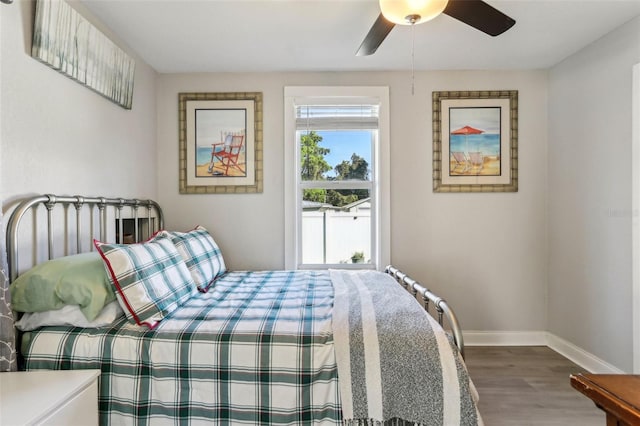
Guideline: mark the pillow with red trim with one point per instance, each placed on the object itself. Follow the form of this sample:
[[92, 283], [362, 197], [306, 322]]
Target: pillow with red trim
[[150, 278], [201, 254]]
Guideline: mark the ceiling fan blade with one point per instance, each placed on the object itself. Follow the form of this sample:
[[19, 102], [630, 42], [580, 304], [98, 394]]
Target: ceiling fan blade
[[479, 15], [375, 36]]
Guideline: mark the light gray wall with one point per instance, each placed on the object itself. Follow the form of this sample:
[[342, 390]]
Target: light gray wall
[[486, 253], [60, 137], [590, 285]]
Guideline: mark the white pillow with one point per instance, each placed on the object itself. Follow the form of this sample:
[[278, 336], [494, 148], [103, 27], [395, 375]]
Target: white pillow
[[69, 315]]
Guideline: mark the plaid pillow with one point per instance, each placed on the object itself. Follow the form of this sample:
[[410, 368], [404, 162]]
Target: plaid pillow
[[151, 278], [201, 254]]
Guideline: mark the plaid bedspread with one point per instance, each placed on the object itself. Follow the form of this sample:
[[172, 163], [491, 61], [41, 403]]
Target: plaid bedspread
[[258, 348]]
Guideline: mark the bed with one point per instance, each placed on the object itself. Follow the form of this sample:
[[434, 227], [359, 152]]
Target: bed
[[179, 339]]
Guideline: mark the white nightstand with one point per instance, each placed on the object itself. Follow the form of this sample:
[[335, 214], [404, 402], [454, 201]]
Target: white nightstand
[[62, 397]]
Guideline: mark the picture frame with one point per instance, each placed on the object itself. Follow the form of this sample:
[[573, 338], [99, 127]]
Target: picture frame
[[475, 141], [65, 41], [220, 143]]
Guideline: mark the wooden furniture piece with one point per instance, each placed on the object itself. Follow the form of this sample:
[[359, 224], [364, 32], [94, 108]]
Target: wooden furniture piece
[[618, 395], [63, 397]]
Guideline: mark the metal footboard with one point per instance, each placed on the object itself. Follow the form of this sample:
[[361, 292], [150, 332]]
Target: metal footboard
[[103, 218], [441, 306]]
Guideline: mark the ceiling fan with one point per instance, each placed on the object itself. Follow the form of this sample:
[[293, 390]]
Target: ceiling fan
[[475, 13]]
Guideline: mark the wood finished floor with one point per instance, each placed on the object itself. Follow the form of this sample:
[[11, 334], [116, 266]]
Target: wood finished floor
[[528, 386]]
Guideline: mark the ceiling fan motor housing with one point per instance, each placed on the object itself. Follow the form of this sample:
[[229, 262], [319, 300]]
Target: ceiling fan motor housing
[[409, 12]]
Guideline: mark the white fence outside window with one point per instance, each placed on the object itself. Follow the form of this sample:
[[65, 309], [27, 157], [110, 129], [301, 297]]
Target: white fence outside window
[[332, 236]]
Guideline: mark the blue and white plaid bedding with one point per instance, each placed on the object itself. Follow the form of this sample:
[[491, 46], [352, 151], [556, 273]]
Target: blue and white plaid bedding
[[258, 348]]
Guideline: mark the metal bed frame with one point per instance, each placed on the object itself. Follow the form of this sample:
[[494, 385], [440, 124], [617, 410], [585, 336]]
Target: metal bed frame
[[441, 306], [116, 205], [82, 206]]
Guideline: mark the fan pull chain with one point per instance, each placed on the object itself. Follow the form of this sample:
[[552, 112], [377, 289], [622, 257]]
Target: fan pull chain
[[413, 41]]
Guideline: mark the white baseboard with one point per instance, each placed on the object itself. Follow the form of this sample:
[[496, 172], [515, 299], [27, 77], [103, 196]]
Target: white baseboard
[[505, 338], [584, 359], [567, 349]]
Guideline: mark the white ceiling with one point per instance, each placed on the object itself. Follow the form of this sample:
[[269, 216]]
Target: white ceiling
[[323, 35]]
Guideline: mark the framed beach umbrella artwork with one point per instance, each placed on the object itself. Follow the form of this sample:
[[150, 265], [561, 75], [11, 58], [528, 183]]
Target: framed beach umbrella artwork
[[475, 145]]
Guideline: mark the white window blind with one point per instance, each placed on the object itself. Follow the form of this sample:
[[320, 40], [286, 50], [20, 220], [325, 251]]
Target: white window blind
[[337, 117]]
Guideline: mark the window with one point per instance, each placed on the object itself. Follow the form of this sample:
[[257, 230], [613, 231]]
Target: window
[[336, 177]]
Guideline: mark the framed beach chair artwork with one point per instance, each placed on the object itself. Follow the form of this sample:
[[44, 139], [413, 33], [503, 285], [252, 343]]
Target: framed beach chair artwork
[[220, 142]]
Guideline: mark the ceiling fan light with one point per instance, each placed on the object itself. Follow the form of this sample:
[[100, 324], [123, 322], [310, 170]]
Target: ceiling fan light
[[402, 11]]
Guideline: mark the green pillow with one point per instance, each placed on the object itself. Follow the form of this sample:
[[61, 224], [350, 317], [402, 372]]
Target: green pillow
[[79, 279]]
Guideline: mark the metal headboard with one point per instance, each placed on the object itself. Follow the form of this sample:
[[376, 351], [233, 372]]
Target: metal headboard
[[118, 208], [442, 307]]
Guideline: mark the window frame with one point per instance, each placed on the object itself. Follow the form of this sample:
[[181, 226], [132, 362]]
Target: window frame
[[379, 185]]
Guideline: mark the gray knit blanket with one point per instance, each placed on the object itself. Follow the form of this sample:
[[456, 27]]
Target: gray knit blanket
[[396, 365]]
